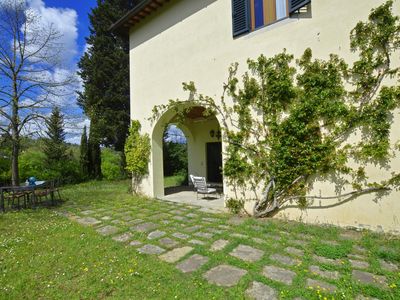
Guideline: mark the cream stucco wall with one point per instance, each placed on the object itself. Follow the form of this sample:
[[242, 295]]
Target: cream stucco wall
[[191, 40]]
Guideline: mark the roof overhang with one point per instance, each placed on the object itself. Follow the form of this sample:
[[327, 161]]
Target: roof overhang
[[140, 11]]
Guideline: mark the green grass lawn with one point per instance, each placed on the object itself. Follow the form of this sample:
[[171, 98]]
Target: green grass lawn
[[175, 180], [45, 255]]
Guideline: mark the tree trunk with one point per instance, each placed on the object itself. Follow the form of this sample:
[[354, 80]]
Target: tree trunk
[[15, 158]]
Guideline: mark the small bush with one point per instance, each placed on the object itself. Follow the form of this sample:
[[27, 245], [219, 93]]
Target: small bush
[[234, 205]]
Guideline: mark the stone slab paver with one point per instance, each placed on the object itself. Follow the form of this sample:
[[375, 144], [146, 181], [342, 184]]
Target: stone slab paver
[[219, 245], [304, 236], [175, 254], [299, 242], [294, 251], [156, 234], [331, 243], [135, 243], [180, 218], [260, 291], [356, 256], [269, 237], [192, 263], [388, 266], [217, 231], [259, 241], [167, 242], [359, 264], [106, 218], [209, 210], [144, 227], [210, 219], [127, 218], [283, 259], [205, 235], [88, 221], [151, 249], [180, 236], [328, 261], [321, 285], [279, 274], [362, 297], [225, 227], [236, 220], [117, 222], [196, 242], [193, 228], [324, 273], [224, 275], [239, 235], [177, 212], [123, 237], [351, 235], [369, 278], [360, 249], [192, 215], [87, 212], [108, 230], [247, 253], [135, 222]]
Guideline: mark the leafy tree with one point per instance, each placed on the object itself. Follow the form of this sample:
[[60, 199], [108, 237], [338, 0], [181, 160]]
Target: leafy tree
[[28, 52], [137, 153], [105, 74], [54, 147], [94, 152], [111, 165], [174, 156], [289, 126], [84, 154]]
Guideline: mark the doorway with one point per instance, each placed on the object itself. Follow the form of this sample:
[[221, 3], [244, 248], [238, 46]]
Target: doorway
[[214, 162]]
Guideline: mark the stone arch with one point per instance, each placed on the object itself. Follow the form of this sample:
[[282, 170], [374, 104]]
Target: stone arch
[[196, 130]]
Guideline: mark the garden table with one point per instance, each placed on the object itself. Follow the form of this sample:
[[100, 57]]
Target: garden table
[[29, 190]]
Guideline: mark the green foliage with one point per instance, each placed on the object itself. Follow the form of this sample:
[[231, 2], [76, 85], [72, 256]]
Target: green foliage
[[290, 119], [105, 76], [175, 158], [137, 153], [54, 145], [333, 251], [234, 205], [33, 162], [175, 180], [84, 154], [94, 152], [111, 164]]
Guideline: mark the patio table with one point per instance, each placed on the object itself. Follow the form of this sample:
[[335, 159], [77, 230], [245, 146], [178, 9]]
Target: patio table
[[24, 188]]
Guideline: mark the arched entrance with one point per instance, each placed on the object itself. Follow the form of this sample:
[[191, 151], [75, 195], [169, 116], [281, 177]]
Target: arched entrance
[[204, 147]]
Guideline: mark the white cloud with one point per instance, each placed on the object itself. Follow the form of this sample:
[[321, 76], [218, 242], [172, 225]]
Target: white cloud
[[65, 21], [74, 128]]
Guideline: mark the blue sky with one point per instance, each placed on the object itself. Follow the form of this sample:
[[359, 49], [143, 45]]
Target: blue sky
[[82, 8], [70, 18]]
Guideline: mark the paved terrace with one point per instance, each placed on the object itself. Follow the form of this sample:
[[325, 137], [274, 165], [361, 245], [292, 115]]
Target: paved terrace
[[226, 250]]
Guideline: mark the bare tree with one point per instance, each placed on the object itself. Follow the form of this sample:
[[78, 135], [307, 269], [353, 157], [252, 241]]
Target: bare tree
[[29, 55]]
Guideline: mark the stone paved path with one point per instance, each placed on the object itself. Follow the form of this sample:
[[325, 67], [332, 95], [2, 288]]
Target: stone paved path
[[229, 251]]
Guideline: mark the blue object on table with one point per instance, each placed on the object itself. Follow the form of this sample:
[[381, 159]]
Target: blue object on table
[[32, 180]]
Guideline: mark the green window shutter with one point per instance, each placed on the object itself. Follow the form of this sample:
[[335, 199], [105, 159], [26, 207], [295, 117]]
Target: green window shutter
[[297, 4], [240, 17]]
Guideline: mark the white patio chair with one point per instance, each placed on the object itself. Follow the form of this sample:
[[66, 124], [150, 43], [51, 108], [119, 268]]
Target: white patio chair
[[201, 187]]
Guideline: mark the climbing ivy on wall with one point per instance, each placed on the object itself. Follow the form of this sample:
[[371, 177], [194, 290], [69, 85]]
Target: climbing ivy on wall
[[137, 153], [290, 120]]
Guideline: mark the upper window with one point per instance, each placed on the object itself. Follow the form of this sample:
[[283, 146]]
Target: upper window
[[249, 15]]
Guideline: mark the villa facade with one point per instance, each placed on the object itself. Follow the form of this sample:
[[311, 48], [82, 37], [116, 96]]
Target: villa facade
[[178, 41]]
